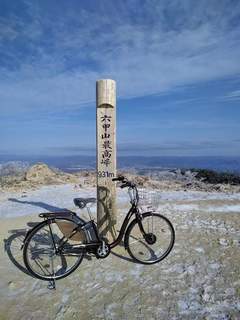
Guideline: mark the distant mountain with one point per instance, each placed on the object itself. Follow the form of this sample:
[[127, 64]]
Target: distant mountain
[[231, 164]]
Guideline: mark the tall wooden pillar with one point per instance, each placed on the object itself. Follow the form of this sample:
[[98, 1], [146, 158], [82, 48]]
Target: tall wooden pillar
[[106, 157]]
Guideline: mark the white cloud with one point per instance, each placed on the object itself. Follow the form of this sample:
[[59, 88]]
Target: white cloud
[[232, 96], [160, 47]]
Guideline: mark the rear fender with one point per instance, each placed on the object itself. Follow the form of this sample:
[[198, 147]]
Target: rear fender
[[70, 216]]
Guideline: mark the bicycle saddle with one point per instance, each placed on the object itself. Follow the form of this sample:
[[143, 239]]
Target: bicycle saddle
[[82, 202]]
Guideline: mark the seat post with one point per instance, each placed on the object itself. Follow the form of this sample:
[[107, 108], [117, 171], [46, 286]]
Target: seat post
[[89, 212]]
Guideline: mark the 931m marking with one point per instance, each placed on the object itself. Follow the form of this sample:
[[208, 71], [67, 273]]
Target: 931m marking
[[105, 174]]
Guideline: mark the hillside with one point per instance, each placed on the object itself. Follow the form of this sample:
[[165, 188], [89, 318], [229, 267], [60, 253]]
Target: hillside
[[17, 176]]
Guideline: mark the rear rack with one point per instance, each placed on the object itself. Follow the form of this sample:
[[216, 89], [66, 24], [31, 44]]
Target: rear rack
[[54, 214]]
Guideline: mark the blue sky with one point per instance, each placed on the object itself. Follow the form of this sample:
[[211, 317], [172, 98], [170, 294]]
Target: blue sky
[[176, 64]]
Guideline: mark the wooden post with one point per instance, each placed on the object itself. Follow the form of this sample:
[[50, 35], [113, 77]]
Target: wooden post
[[106, 157]]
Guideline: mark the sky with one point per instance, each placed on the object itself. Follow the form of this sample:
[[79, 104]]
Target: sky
[[176, 64]]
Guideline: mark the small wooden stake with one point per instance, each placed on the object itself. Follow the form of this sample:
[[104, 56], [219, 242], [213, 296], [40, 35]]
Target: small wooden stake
[[106, 157]]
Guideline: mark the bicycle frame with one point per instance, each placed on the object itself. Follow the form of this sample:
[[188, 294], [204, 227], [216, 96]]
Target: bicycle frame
[[45, 239], [72, 217], [134, 198], [133, 210]]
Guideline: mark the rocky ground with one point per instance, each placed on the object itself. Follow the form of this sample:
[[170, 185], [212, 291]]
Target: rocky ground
[[38, 175], [200, 279]]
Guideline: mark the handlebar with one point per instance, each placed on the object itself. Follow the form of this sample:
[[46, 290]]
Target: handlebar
[[132, 189], [125, 182]]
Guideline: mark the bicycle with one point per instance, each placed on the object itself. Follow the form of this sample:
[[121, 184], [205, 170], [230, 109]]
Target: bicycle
[[55, 247]]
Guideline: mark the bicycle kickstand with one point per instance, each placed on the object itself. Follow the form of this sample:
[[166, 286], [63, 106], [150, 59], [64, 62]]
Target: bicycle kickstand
[[51, 285]]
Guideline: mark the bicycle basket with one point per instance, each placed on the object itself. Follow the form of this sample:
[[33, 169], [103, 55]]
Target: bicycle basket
[[148, 199]]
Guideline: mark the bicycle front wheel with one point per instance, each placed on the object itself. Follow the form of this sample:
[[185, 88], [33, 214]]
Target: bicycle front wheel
[[151, 239], [41, 255]]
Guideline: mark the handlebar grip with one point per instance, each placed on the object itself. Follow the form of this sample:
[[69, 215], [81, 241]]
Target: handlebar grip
[[120, 178]]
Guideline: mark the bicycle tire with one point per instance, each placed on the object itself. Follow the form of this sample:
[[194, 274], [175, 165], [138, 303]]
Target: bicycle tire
[[34, 254], [164, 231]]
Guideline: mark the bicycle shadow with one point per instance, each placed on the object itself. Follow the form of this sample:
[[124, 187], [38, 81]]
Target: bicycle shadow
[[123, 257], [13, 244], [40, 204], [119, 255], [128, 258], [107, 222]]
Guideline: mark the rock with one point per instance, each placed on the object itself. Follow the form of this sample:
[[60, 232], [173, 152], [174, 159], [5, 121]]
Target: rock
[[236, 242], [223, 242], [40, 173], [206, 297], [12, 285]]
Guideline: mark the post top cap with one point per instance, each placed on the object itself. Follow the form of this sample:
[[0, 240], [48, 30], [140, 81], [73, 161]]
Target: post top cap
[[106, 92], [106, 80]]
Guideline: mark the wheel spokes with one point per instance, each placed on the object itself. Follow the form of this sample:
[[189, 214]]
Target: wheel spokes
[[156, 242], [46, 262]]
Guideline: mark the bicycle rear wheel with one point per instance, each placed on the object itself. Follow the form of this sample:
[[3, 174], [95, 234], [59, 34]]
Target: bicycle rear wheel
[[154, 242], [40, 250]]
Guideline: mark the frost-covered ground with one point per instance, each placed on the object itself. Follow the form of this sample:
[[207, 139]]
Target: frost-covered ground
[[200, 279], [45, 199], [60, 197]]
